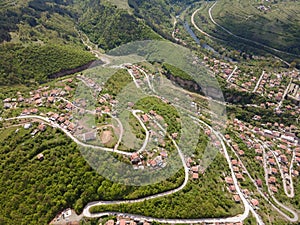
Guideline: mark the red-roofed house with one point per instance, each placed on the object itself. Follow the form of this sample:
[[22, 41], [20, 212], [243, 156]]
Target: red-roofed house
[[259, 182], [229, 180], [236, 198], [195, 176], [145, 118], [254, 202]]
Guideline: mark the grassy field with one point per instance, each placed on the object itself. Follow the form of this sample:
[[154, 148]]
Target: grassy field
[[122, 4], [276, 25]]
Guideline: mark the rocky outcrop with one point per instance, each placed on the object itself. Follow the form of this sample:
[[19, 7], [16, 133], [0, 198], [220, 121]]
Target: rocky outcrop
[[190, 85], [75, 70]]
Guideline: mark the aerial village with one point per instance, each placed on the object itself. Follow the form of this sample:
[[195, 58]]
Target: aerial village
[[274, 147]]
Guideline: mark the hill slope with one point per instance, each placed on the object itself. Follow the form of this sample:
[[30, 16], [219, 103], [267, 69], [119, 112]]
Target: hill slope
[[39, 38]]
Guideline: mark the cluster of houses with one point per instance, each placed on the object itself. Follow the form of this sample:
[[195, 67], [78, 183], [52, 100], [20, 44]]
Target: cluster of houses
[[41, 97], [122, 220], [294, 93], [138, 72], [223, 69], [264, 8], [154, 159], [10, 103], [231, 187], [276, 133], [64, 120], [56, 98], [195, 172], [156, 133], [282, 140], [90, 83], [236, 77], [229, 181], [271, 84]]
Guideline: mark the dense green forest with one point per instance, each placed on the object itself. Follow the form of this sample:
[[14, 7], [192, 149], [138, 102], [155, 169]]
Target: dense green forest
[[199, 199], [21, 64], [39, 38], [176, 72], [110, 27], [158, 13], [33, 191], [169, 112], [29, 13]]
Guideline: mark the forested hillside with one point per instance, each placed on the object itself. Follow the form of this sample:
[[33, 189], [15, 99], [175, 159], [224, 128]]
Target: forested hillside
[[109, 26], [33, 191], [158, 13], [36, 63], [39, 38]]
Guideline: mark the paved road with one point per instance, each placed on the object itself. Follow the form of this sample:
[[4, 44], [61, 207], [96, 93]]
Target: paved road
[[284, 94], [103, 57], [212, 37], [247, 205], [173, 32], [245, 39], [231, 219], [134, 112], [258, 218], [200, 30], [295, 217], [237, 218], [86, 211], [232, 73], [121, 132], [55, 125], [258, 82], [292, 193], [130, 71], [148, 80]]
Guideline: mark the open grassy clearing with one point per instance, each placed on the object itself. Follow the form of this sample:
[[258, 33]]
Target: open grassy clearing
[[276, 25]]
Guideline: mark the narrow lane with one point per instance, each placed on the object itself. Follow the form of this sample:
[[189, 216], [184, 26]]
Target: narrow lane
[[258, 82]]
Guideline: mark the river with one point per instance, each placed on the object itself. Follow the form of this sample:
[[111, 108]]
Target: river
[[205, 46]]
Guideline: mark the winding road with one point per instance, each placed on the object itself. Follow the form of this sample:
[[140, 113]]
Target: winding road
[[198, 28], [229, 32], [291, 194], [134, 112], [295, 215], [55, 125], [242, 38], [87, 213], [259, 190], [238, 218]]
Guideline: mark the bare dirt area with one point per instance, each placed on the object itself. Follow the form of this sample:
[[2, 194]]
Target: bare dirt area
[[106, 136]]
